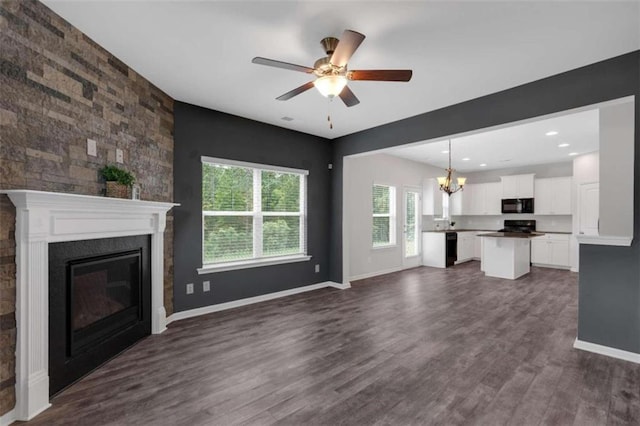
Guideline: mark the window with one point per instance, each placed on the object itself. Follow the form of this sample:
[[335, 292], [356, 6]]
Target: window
[[384, 215], [251, 214]]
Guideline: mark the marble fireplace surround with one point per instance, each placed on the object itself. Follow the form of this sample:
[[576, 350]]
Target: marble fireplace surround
[[49, 217]]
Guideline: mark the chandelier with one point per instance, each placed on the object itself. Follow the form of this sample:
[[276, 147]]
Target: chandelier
[[446, 183]]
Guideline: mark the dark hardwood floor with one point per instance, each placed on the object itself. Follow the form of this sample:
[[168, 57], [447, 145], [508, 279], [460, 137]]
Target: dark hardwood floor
[[423, 346]]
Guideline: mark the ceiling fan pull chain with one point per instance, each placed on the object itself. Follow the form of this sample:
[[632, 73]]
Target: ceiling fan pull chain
[[329, 114]]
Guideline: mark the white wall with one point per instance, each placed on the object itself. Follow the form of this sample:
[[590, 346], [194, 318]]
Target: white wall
[[616, 176], [586, 169], [360, 174], [539, 170]]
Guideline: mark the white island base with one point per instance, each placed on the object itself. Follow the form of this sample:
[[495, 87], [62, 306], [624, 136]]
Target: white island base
[[505, 257]]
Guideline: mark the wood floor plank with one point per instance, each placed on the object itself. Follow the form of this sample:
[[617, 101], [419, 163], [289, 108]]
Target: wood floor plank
[[423, 346]]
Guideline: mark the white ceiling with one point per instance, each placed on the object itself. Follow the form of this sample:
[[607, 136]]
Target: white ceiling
[[200, 51], [515, 146]]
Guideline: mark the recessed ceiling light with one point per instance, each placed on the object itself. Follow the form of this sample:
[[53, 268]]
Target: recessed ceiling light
[[551, 133], [286, 118], [445, 151], [483, 165], [573, 153], [563, 145], [466, 159]]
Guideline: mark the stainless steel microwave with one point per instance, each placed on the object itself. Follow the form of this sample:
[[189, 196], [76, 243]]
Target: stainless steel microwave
[[517, 205]]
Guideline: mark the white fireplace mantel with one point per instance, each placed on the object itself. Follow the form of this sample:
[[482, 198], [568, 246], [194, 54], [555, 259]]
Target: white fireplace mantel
[[48, 217]]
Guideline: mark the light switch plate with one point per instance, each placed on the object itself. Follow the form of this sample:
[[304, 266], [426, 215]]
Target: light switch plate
[[206, 286], [92, 148], [119, 156], [190, 288], [317, 268]]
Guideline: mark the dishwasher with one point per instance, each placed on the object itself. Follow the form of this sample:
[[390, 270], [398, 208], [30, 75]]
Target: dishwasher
[[451, 241]]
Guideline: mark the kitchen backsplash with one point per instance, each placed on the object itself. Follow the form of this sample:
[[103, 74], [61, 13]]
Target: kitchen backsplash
[[543, 222]]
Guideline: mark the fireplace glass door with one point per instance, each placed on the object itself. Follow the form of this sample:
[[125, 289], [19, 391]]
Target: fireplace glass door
[[104, 297]]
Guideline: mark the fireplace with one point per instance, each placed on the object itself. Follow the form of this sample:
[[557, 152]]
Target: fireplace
[[44, 219], [99, 303]]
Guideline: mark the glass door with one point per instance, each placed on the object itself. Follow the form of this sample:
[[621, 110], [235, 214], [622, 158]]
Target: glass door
[[412, 228]]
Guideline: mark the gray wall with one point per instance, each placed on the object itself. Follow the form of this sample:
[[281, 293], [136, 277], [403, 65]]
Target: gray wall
[[198, 132], [609, 310]]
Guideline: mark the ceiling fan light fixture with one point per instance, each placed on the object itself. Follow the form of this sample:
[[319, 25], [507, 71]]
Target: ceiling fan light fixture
[[330, 85]]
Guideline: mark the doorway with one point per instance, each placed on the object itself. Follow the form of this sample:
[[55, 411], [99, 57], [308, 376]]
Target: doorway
[[412, 229]]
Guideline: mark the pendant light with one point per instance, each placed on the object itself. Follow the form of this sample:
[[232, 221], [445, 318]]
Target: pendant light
[[446, 183]]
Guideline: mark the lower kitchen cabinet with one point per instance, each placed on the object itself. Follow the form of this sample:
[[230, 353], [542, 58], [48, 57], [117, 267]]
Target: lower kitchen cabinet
[[466, 246], [434, 249], [550, 250]]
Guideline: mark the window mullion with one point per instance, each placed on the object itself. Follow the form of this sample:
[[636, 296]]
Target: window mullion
[[257, 213]]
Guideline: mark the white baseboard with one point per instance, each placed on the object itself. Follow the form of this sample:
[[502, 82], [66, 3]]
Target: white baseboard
[[8, 418], [251, 300], [546, 265], [376, 273], [337, 285], [607, 351]]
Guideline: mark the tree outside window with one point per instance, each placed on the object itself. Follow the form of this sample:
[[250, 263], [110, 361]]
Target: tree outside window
[[383, 233]]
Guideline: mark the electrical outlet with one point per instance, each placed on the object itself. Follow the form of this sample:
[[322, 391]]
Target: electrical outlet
[[92, 148], [119, 156], [190, 288], [206, 286], [317, 268]]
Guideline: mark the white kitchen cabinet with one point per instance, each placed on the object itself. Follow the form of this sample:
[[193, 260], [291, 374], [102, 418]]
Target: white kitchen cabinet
[[466, 246], [467, 195], [434, 249], [492, 198], [517, 186], [550, 250], [455, 202], [482, 199], [553, 196], [477, 249], [431, 198]]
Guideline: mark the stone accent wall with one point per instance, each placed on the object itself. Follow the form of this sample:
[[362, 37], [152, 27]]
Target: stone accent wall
[[58, 88]]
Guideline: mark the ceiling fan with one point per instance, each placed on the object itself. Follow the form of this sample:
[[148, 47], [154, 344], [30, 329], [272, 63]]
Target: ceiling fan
[[331, 71]]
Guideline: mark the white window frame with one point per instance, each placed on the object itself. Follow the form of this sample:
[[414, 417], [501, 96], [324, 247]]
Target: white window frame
[[258, 259], [391, 215]]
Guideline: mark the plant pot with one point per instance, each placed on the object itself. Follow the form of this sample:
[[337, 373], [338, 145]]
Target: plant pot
[[117, 190]]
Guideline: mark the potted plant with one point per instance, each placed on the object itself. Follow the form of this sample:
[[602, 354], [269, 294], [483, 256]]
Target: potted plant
[[119, 181]]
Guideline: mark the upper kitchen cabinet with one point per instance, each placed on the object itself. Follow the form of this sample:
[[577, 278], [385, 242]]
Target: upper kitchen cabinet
[[431, 198], [478, 199], [553, 196], [517, 186]]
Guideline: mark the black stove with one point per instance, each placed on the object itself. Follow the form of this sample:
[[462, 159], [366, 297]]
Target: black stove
[[520, 226]]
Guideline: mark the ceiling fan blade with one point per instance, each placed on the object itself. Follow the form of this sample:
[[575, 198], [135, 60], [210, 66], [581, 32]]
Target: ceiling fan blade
[[280, 64], [348, 97], [296, 91], [349, 42], [380, 75]]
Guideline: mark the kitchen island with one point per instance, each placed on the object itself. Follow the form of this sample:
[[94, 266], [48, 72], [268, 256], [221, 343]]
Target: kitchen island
[[506, 254]]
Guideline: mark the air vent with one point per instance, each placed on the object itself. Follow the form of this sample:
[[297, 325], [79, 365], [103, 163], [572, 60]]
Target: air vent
[[286, 119]]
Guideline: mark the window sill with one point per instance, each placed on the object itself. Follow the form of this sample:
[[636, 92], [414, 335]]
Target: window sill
[[386, 246], [245, 264]]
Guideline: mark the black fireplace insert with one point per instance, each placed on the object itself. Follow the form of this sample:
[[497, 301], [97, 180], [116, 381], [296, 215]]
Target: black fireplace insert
[[99, 303]]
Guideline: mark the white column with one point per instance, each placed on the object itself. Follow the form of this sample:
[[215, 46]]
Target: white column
[[32, 314], [159, 314]]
